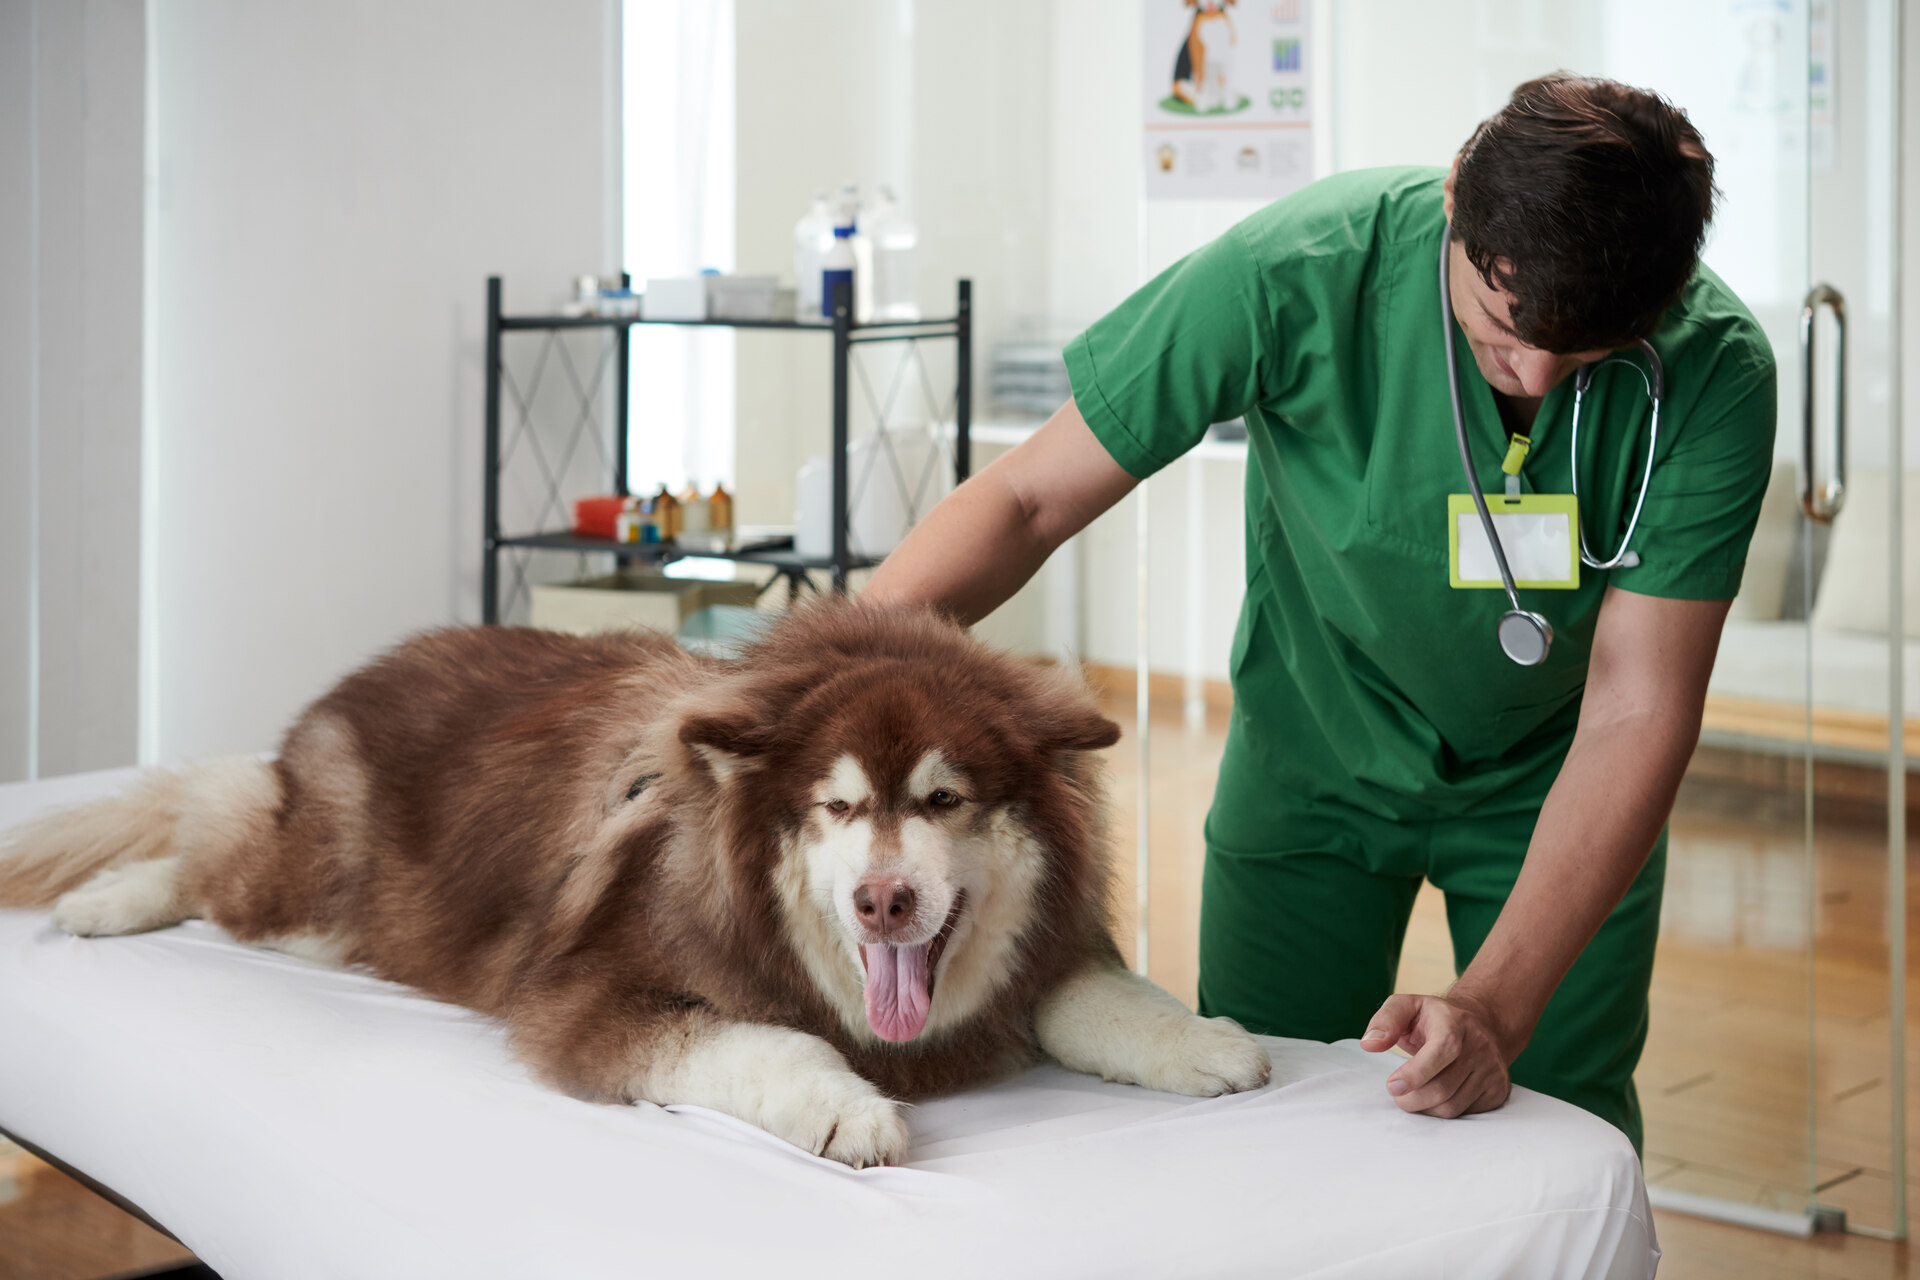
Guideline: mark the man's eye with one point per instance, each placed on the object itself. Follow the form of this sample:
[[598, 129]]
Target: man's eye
[[838, 806]]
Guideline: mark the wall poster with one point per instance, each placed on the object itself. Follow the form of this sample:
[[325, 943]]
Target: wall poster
[[1225, 96]]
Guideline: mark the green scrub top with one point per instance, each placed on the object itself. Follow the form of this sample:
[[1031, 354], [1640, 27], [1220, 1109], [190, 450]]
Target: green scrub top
[[1360, 675]]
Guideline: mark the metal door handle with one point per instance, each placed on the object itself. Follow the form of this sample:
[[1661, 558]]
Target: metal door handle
[[1824, 505]]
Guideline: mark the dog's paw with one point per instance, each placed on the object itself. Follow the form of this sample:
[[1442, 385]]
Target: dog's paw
[[795, 1086], [866, 1131], [836, 1114], [1119, 1026], [129, 899], [1206, 1057]]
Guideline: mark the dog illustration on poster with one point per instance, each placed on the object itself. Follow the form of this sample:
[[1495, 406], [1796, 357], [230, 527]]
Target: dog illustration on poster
[[1203, 65]]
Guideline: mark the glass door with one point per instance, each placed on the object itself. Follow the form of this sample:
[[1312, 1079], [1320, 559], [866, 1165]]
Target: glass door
[[1774, 1075], [1726, 1081], [1853, 553]]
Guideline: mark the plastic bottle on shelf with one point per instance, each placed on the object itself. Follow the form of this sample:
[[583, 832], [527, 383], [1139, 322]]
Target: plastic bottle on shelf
[[893, 236], [812, 237], [813, 509], [839, 264], [720, 509], [694, 511], [626, 525], [862, 244], [647, 522]]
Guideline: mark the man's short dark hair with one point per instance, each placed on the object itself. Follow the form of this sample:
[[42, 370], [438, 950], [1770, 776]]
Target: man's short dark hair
[[1588, 201]]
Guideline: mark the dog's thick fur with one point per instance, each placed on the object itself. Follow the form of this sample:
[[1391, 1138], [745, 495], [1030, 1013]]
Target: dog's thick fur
[[647, 864]]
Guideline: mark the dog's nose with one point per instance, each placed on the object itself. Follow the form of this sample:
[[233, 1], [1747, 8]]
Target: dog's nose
[[884, 905]]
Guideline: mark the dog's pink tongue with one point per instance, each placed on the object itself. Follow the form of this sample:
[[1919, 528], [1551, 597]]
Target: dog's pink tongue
[[897, 994]]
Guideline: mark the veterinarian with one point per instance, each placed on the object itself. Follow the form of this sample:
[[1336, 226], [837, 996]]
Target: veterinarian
[[1379, 735]]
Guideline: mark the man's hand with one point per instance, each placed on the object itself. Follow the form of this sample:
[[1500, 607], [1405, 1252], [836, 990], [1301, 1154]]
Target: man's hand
[[1459, 1063], [1639, 721]]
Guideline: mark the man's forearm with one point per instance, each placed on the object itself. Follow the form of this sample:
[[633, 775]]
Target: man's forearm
[[984, 540], [1614, 792], [967, 557]]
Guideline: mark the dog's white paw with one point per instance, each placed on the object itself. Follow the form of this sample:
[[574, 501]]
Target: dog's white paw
[[1117, 1025], [129, 899], [1206, 1057], [835, 1114], [795, 1086], [861, 1130]]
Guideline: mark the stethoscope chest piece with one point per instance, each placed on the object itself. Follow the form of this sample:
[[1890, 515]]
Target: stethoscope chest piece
[[1525, 637]]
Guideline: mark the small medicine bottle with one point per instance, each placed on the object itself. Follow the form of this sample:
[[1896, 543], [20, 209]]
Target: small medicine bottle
[[695, 515]]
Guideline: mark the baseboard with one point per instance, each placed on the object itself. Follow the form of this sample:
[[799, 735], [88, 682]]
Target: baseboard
[[1162, 686], [1788, 723]]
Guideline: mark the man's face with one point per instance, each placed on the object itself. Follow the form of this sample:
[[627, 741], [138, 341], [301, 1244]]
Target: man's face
[[1509, 365]]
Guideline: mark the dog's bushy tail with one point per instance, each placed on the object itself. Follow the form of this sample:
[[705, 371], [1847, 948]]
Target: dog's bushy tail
[[212, 807]]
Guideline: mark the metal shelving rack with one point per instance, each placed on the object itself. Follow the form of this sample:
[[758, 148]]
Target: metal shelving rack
[[845, 334]]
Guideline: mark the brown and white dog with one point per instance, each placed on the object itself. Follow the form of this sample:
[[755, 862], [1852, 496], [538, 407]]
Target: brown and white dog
[[861, 865]]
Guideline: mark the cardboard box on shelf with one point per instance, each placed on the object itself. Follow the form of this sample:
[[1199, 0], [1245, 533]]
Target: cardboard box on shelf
[[632, 599]]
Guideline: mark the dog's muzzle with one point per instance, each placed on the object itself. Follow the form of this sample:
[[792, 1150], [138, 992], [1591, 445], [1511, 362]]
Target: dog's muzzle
[[900, 977]]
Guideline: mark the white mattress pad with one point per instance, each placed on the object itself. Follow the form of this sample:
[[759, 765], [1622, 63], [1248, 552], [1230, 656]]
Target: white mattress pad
[[289, 1121]]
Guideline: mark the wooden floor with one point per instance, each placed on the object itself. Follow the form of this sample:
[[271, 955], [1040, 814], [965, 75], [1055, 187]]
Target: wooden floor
[[1728, 1081], [52, 1228]]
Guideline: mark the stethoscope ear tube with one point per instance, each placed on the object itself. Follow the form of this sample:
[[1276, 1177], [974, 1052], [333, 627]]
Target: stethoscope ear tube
[[1525, 637], [1655, 378]]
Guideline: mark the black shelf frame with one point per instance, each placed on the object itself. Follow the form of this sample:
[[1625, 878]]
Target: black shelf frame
[[845, 333]]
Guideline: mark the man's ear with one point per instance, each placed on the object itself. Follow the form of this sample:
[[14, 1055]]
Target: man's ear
[[1446, 188], [725, 741]]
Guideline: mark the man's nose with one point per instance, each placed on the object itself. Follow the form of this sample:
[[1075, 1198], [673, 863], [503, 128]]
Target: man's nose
[[1540, 371]]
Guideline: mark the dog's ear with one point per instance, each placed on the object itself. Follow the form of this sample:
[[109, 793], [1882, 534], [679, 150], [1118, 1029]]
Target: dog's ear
[[1077, 729], [1065, 715], [723, 741]]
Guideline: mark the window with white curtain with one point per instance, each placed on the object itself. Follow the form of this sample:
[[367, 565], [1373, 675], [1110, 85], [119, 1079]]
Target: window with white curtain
[[678, 86]]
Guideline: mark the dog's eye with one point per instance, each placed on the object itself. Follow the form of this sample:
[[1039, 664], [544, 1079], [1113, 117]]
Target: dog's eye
[[838, 806], [943, 799]]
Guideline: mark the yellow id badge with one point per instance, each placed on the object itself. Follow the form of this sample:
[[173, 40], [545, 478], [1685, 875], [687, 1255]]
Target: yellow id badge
[[1536, 532]]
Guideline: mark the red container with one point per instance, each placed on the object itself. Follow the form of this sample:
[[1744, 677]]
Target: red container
[[594, 517]]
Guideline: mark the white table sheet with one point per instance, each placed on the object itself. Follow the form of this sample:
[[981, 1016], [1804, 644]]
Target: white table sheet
[[286, 1120]]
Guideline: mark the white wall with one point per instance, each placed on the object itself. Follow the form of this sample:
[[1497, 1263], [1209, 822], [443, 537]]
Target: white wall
[[1093, 228], [17, 426], [1105, 243], [72, 80], [948, 104], [826, 96], [336, 181]]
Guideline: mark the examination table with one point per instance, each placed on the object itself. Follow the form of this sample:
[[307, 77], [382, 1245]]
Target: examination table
[[287, 1120]]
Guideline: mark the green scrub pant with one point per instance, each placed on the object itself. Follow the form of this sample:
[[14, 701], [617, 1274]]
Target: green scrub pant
[[1304, 906]]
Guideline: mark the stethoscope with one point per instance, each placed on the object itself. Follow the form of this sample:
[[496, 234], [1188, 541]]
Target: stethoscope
[[1525, 637]]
